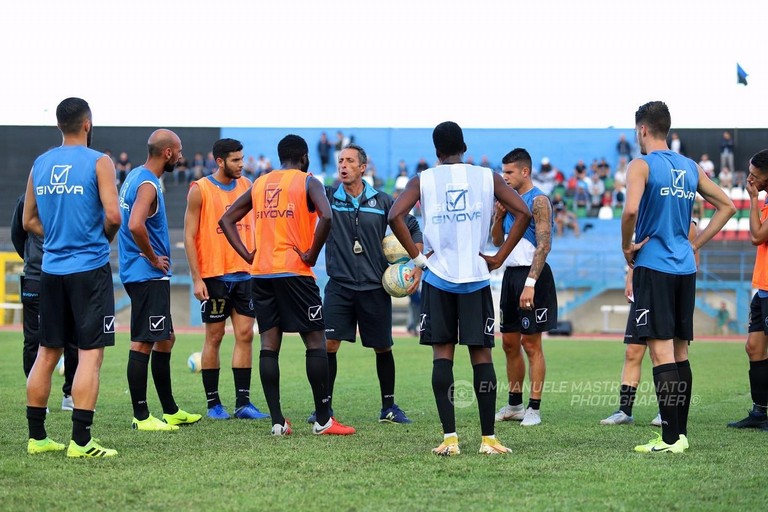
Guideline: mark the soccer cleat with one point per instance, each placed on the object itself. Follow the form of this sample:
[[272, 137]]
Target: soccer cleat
[[249, 412], [511, 412], [684, 441], [448, 448], [618, 418], [152, 424], [181, 418], [43, 445], [332, 428], [92, 449], [532, 418], [393, 415], [751, 421], [67, 404], [656, 422], [218, 412], [657, 445], [282, 430], [313, 417], [492, 446]]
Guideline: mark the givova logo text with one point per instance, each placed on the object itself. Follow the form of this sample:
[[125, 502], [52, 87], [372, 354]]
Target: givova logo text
[[58, 183]]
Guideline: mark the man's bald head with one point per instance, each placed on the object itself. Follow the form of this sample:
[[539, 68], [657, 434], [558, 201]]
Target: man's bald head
[[162, 139]]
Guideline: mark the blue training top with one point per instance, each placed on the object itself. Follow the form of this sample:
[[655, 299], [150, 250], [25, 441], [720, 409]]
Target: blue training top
[[70, 209]]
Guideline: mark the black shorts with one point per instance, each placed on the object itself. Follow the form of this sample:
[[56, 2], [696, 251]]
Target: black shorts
[[223, 296], [291, 303], [464, 318], [30, 300], [150, 310], [758, 314], [347, 310], [664, 304], [543, 316], [79, 307], [630, 334]]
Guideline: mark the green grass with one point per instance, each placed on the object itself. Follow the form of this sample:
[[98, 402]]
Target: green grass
[[568, 463]]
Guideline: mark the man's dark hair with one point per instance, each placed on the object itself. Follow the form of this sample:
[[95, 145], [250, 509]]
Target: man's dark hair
[[71, 113], [448, 139], [518, 155], [361, 154], [291, 149], [760, 161], [655, 115], [223, 147]]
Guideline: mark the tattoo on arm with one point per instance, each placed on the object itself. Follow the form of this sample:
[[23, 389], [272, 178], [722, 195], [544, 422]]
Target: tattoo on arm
[[542, 216]]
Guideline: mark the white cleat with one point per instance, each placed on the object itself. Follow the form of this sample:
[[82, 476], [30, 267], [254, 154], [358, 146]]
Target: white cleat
[[532, 417], [511, 413], [618, 418]]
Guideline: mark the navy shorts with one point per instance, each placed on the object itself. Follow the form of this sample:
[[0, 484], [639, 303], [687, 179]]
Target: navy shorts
[[291, 303], [150, 310], [223, 296], [664, 304], [348, 310], [543, 316], [464, 318]]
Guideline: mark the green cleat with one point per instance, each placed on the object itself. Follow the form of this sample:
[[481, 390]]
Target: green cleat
[[152, 424], [43, 445], [91, 450], [657, 445], [181, 418]]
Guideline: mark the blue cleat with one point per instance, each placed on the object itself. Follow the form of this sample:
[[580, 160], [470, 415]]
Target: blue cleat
[[393, 415], [218, 412], [313, 417], [250, 412]]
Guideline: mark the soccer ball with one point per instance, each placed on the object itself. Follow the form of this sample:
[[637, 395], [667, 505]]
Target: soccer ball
[[195, 363], [394, 250], [396, 280]]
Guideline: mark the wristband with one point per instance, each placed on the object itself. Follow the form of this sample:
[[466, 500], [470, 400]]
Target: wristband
[[530, 282], [420, 261]]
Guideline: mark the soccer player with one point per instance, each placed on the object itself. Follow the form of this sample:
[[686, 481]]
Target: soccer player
[[71, 202], [30, 248], [528, 296], [457, 204], [144, 249], [292, 219], [221, 278], [633, 357], [757, 341], [354, 297], [661, 190]]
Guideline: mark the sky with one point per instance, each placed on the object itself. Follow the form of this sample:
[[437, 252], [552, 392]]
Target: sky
[[399, 63]]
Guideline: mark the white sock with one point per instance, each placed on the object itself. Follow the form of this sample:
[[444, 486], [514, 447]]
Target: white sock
[[492, 436], [452, 434]]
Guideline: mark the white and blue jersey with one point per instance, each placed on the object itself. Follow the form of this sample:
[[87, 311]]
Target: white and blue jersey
[[522, 253], [664, 214], [134, 267], [69, 206]]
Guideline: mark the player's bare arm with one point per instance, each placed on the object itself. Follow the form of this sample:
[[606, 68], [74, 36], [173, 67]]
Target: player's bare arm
[[724, 209], [191, 227], [316, 194], [758, 230], [542, 217], [497, 227], [30, 217], [637, 177], [228, 224], [144, 206], [105, 177], [515, 205]]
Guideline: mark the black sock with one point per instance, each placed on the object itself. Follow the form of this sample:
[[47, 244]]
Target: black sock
[[36, 422], [485, 391], [81, 426], [161, 375], [70, 367], [138, 364], [686, 385], [332, 368], [627, 398], [515, 399], [317, 375], [442, 386], [385, 368], [534, 404], [666, 379], [211, 387], [269, 372], [758, 385], [242, 378]]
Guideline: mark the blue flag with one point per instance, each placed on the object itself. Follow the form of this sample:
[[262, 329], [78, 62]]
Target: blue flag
[[741, 75]]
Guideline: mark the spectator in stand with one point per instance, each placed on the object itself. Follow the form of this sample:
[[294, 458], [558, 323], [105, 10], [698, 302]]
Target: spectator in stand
[[723, 317], [624, 148], [620, 175], [324, 147], [263, 166], [402, 177], [726, 151], [341, 143], [484, 162], [545, 178], [123, 167], [676, 144], [564, 218], [181, 173], [581, 198], [707, 165], [619, 193], [210, 164], [725, 178], [198, 166], [603, 169], [596, 191], [249, 170], [422, 165]]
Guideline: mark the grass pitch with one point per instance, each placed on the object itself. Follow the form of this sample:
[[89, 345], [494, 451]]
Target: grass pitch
[[569, 462]]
